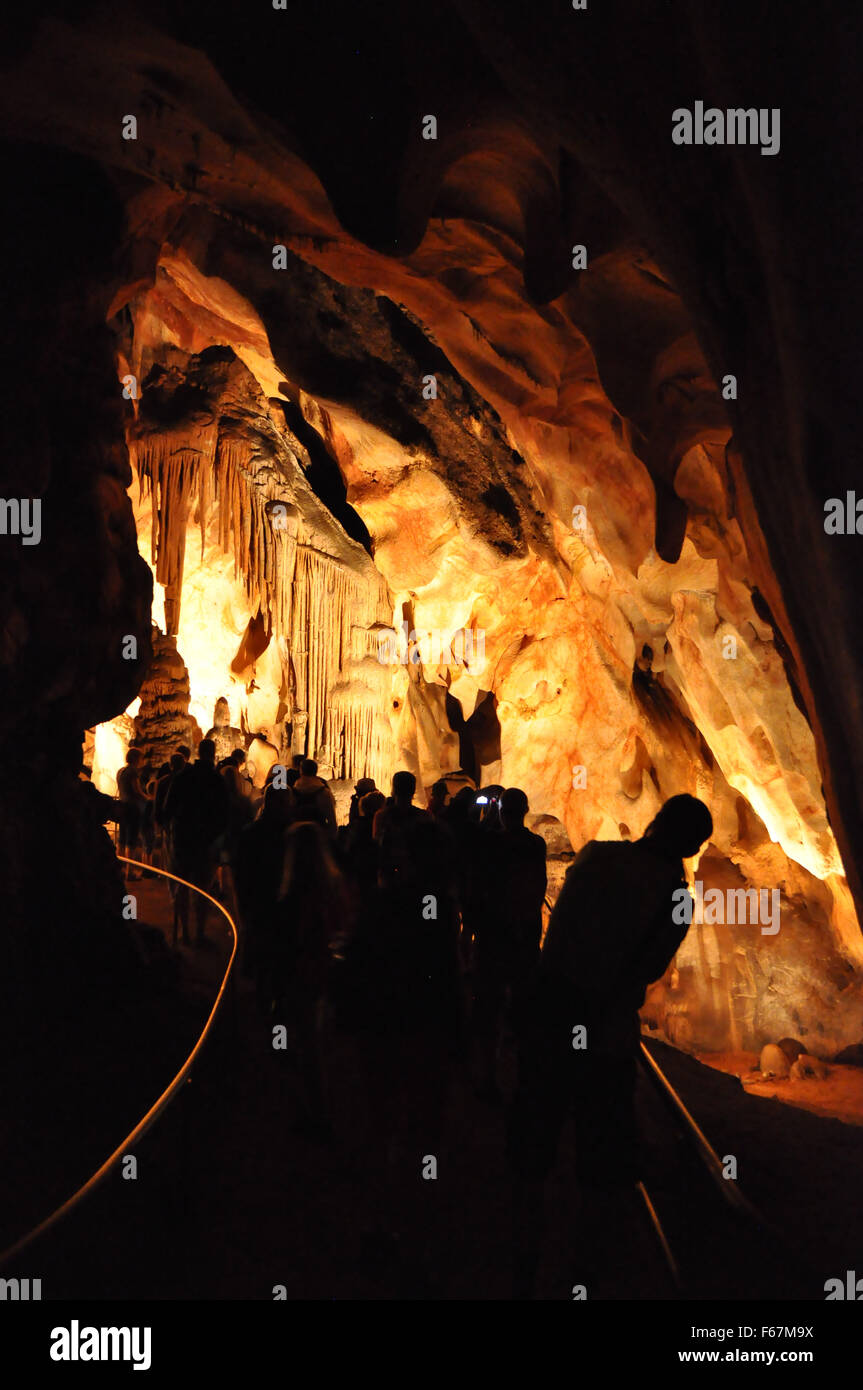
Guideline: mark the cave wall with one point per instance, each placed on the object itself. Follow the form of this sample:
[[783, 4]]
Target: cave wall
[[213, 457], [577, 491], [603, 656], [71, 601]]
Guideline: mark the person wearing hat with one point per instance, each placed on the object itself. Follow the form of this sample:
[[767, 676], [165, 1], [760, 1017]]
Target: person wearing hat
[[364, 785]]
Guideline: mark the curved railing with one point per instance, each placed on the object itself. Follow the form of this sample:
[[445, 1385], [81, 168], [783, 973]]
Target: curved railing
[[157, 1108], [712, 1162], [708, 1155]]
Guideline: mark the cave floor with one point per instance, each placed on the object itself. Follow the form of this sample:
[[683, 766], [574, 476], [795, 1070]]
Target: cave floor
[[90, 1058], [230, 1201], [801, 1169], [838, 1096]]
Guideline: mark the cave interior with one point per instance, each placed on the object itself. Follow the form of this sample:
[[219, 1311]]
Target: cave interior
[[528, 400]]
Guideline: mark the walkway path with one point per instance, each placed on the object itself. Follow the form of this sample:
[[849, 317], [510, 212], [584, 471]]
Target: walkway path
[[231, 1202]]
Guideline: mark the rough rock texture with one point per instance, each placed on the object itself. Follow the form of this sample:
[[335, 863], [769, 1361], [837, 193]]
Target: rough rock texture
[[808, 1069], [773, 1061], [211, 452], [68, 602], [163, 720], [225, 736], [641, 577]]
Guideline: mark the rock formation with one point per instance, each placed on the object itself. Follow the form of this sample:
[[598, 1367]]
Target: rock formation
[[163, 721], [373, 390], [226, 738], [71, 602]]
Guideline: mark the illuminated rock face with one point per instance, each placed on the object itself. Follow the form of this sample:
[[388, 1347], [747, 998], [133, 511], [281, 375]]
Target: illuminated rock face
[[275, 609], [607, 677], [466, 438]]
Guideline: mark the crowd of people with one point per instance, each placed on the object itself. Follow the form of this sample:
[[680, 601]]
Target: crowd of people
[[390, 911], [419, 931]]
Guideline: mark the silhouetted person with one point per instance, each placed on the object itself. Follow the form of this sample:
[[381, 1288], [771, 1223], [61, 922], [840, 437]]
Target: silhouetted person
[[459, 809], [613, 931], [487, 804], [438, 799], [240, 806], [133, 801], [411, 1028], [392, 825], [258, 872], [149, 782], [468, 842], [362, 788], [196, 809], [163, 787], [356, 985], [309, 915], [361, 853], [314, 798], [509, 926]]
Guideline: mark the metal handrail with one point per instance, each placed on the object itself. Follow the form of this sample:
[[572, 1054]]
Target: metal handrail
[[661, 1237], [157, 1108], [710, 1158]]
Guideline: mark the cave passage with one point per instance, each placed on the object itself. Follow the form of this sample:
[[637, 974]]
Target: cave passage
[[425, 531]]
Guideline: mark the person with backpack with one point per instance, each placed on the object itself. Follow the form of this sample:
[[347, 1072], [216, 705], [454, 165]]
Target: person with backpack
[[314, 800], [615, 928], [391, 829], [362, 788], [133, 806]]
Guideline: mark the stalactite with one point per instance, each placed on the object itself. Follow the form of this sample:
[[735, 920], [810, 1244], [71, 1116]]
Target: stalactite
[[357, 713], [206, 487], [331, 603], [173, 470], [321, 607], [240, 569]]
